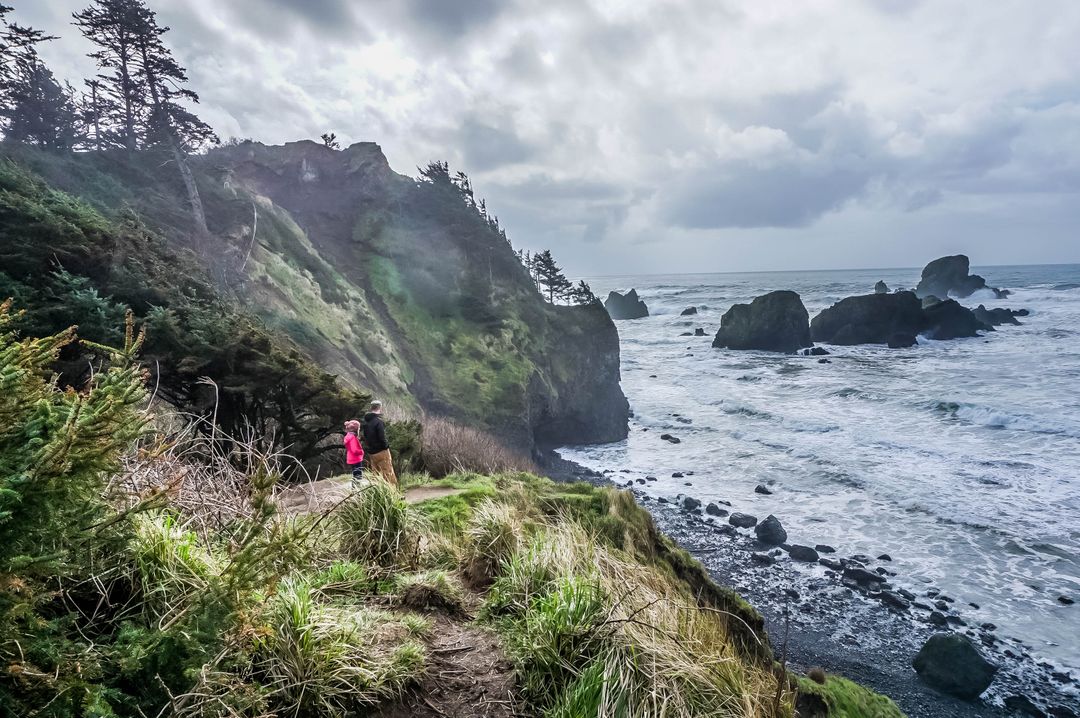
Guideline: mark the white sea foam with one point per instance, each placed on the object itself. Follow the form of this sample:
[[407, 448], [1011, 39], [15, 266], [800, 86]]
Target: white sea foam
[[948, 456]]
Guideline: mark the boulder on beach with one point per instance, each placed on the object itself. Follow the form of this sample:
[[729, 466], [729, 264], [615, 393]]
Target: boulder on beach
[[951, 275], [952, 664], [863, 577], [776, 322], [771, 531], [689, 311], [803, 553], [868, 319], [743, 521], [626, 306], [881, 287]]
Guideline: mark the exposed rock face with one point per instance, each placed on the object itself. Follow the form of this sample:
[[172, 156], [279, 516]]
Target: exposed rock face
[[626, 306], [951, 663], [585, 402], [868, 319], [950, 275], [881, 287], [776, 322]]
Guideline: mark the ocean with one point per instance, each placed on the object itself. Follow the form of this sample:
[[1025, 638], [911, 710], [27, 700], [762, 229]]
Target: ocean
[[960, 459]]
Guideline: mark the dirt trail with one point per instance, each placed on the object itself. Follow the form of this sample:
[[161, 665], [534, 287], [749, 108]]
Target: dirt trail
[[467, 674], [326, 493]]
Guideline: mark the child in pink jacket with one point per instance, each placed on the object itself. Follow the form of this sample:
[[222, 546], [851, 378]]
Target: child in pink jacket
[[354, 452]]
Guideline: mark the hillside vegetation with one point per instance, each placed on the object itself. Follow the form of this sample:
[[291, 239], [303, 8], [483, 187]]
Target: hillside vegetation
[[396, 286], [152, 573]]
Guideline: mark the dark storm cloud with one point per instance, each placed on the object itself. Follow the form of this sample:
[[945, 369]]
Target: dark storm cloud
[[451, 19], [486, 147], [744, 196]]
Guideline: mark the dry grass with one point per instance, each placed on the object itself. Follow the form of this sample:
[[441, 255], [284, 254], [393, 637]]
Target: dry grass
[[629, 639], [448, 447], [490, 539]]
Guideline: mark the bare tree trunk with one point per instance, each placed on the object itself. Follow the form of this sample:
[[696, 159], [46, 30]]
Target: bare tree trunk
[[197, 213]]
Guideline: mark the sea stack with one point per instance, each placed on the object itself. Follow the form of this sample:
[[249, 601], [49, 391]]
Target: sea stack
[[776, 322], [951, 275], [626, 306]]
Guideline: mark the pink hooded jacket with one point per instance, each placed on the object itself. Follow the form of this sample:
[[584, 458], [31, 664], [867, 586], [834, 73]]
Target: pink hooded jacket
[[354, 453]]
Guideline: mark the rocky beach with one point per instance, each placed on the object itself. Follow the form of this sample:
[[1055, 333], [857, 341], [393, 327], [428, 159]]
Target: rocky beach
[[847, 556]]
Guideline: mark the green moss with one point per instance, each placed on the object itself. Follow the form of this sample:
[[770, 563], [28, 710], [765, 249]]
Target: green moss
[[846, 699]]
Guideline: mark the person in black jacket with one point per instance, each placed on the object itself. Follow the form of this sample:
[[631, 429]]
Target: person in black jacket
[[377, 452]]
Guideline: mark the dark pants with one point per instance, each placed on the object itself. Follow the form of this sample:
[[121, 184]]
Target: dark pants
[[357, 472]]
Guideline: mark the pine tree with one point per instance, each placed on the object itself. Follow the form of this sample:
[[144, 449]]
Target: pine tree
[[550, 276], [94, 109], [114, 26], [39, 110], [145, 91], [582, 294], [20, 65], [329, 139]]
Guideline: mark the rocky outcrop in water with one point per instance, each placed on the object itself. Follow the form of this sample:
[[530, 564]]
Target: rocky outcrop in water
[[999, 315], [776, 322], [951, 275], [881, 287], [896, 319], [951, 320], [868, 319], [952, 664], [688, 312], [626, 306]]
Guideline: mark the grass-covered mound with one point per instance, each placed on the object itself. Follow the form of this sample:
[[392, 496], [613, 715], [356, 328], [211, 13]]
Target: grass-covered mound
[[838, 697]]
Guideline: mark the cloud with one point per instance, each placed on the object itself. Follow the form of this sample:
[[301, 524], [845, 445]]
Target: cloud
[[675, 127]]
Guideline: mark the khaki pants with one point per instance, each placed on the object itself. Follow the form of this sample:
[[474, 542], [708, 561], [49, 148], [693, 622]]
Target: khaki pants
[[383, 465]]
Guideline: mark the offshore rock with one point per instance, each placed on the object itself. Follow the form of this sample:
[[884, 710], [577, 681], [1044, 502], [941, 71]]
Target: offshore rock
[[776, 322], [951, 275], [626, 306], [868, 319]]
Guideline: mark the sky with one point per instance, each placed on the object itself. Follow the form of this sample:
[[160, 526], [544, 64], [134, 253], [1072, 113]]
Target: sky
[[655, 136]]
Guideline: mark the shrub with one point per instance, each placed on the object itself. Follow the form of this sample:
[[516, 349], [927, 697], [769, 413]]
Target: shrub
[[330, 659], [491, 538], [171, 567], [448, 447], [374, 524]]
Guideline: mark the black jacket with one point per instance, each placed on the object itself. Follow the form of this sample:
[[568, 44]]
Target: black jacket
[[374, 434]]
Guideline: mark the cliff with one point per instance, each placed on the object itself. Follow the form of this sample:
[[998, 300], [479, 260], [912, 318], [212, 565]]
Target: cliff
[[400, 288]]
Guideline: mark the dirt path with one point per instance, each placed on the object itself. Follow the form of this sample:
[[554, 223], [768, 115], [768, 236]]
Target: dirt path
[[467, 675], [325, 494]]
